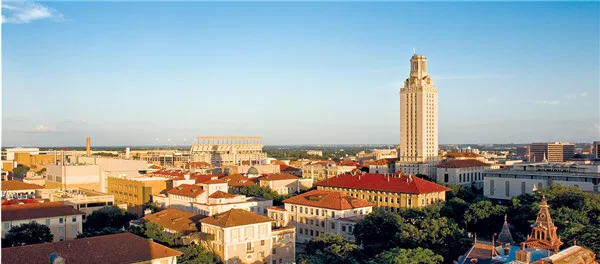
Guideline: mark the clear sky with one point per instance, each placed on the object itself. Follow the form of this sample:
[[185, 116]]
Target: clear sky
[[143, 73]]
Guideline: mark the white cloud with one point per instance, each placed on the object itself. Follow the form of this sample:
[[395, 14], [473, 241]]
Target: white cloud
[[583, 94], [551, 102], [45, 128], [22, 12]]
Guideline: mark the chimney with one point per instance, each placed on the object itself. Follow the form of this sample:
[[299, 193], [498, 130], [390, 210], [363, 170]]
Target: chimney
[[87, 146]]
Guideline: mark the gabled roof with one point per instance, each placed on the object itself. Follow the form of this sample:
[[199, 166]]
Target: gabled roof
[[482, 252], [37, 210], [383, 161], [115, 248], [235, 217], [217, 181], [238, 180], [380, 182], [284, 168], [187, 190], [14, 185], [221, 194], [463, 164], [328, 199], [201, 178], [180, 221], [279, 177]]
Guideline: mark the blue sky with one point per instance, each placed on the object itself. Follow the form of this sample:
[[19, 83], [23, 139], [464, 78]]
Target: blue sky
[[143, 73]]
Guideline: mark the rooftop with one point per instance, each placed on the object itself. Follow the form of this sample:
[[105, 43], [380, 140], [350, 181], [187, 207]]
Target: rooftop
[[380, 182], [37, 210], [328, 199], [462, 155], [279, 177], [180, 221], [14, 185], [463, 164], [221, 194], [235, 217], [187, 190], [116, 248]]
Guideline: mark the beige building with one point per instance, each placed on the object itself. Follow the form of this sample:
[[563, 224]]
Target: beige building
[[240, 236], [383, 166], [387, 192], [315, 153], [135, 192], [285, 184], [316, 212], [182, 224], [221, 151], [418, 114], [209, 198], [65, 222], [244, 169], [115, 248], [323, 170], [13, 189], [551, 152], [83, 200], [463, 172]]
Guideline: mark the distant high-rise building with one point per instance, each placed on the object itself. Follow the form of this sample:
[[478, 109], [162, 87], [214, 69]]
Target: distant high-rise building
[[418, 115], [596, 151], [523, 151], [551, 152]]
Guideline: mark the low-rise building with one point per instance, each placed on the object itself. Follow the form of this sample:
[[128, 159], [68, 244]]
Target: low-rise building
[[526, 178], [236, 182], [115, 248], [65, 222], [387, 192], [84, 200], [240, 236], [177, 223], [244, 168], [13, 189], [463, 172], [285, 184], [135, 192], [383, 166], [324, 169], [316, 212], [415, 168]]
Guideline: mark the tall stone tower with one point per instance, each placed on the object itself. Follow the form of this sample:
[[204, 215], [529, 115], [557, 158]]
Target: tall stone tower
[[418, 115]]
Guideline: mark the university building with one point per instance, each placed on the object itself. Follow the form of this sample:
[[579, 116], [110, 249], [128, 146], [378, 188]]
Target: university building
[[387, 192]]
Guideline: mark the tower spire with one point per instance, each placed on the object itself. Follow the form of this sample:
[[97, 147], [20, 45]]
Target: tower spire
[[543, 235]]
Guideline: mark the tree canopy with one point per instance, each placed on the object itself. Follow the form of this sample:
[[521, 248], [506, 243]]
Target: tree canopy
[[328, 248], [408, 256], [110, 216], [27, 234], [197, 254]]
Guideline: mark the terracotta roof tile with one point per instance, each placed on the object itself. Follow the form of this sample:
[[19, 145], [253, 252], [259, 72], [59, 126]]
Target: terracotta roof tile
[[37, 210], [462, 155], [14, 185], [22, 201], [200, 165], [328, 199], [235, 217], [116, 248], [380, 182], [221, 194], [383, 161], [276, 208], [279, 177], [180, 221], [187, 190], [238, 180], [217, 181], [462, 164]]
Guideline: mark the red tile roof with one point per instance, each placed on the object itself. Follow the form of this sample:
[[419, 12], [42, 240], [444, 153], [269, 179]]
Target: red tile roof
[[14, 185], [180, 221], [383, 161], [348, 163], [154, 167], [23, 201], [278, 162], [463, 164], [201, 178], [221, 194], [37, 210], [187, 190], [462, 155], [116, 248], [235, 217], [380, 182], [279, 177], [328, 199], [284, 168], [238, 180], [276, 208], [217, 181]]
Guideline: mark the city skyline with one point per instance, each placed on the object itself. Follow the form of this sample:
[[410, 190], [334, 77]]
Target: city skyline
[[295, 73]]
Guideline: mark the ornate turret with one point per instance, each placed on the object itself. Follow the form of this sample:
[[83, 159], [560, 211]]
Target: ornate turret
[[543, 235], [505, 236]]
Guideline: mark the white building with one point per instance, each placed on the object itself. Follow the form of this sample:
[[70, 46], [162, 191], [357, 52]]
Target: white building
[[525, 178], [463, 172], [319, 211]]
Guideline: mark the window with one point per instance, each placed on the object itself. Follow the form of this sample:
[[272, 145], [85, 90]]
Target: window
[[316, 211], [274, 251], [300, 230], [74, 228], [61, 220], [491, 187], [249, 246], [61, 238], [262, 242], [332, 225], [74, 219], [6, 226], [446, 177], [61, 230], [311, 232], [332, 214], [343, 228], [312, 222], [48, 222], [523, 188], [507, 188], [322, 223], [317, 222]]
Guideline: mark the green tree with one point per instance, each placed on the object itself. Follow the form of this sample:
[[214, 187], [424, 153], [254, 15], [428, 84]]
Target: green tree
[[27, 234], [482, 215], [110, 216], [328, 248], [104, 231], [264, 192], [379, 231], [197, 254], [588, 237], [408, 256], [455, 209], [157, 233], [20, 170]]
